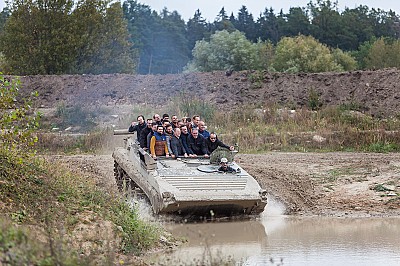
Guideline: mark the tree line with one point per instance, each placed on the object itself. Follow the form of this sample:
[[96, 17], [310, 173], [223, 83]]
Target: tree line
[[102, 36]]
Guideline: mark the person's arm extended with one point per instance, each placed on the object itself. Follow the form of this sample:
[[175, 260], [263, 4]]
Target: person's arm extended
[[223, 145]]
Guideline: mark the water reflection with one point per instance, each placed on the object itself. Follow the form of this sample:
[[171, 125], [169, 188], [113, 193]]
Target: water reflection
[[298, 241]]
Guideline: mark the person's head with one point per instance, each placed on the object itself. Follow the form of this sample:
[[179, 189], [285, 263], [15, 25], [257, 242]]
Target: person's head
[[160, 129], [174, 119], [184, 129], [168, 129], [165, 117], [140, 119], [177, 132], [196, 120], [180, 123], [149, 122], [213, 137], [184, 119], [202, 125], [224, 162], [165, 123], [195, 133], [154, 126], [156, 117]]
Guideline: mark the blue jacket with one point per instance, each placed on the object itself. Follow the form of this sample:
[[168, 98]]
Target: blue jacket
[[159, 136], [205, 133]]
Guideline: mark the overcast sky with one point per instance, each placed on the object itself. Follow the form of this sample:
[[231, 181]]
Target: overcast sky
[[210, 8]]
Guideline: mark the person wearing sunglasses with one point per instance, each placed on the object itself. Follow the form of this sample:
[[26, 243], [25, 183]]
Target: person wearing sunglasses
[[212, 143]]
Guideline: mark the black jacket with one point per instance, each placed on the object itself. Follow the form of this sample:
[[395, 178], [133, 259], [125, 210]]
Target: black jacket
[[211, 146], [138, 128], [197, 146], [143, 137], [177, 146], [228, 169], [184, 138]]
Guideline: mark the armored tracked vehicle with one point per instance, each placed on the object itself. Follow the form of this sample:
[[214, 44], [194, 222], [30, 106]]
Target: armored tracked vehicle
[[187, 186]]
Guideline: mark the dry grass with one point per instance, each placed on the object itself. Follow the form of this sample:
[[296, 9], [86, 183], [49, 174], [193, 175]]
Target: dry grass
[[260, 129], [330, 129]]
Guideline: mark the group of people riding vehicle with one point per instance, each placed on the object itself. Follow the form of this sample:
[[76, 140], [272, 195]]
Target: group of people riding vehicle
[[176, 138]]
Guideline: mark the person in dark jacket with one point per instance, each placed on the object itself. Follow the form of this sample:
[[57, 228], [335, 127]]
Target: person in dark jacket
[[143, 134], [197, 144], [137, 126], [176, 145], [213, 142], [184, 136]]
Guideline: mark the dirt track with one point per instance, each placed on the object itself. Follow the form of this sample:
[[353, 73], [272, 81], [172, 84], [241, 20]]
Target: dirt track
[[332, 184]]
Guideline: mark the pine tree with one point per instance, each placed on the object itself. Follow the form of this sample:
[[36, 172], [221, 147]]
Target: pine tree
[[196, 29], [245, 23]]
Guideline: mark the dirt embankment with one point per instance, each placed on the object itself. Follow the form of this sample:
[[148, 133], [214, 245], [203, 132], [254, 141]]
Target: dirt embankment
[[375, 92]]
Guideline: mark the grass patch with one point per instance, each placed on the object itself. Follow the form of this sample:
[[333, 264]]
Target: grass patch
[[101, 139], [381, 188], [382, 147], [342, 171], [259, 129], [36, 193]]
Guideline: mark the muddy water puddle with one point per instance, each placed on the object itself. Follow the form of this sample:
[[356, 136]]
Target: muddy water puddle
[[275, 239]]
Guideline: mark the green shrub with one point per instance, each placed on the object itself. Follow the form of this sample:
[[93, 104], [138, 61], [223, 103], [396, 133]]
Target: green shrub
[[256, 78], [17, 119], [382, 147], [314, 102], [75, 116]]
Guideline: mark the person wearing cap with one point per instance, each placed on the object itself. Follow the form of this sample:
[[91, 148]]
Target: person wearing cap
[[224, 167]]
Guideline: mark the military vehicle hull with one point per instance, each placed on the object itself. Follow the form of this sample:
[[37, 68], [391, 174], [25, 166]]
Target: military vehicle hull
[[187, 186]]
